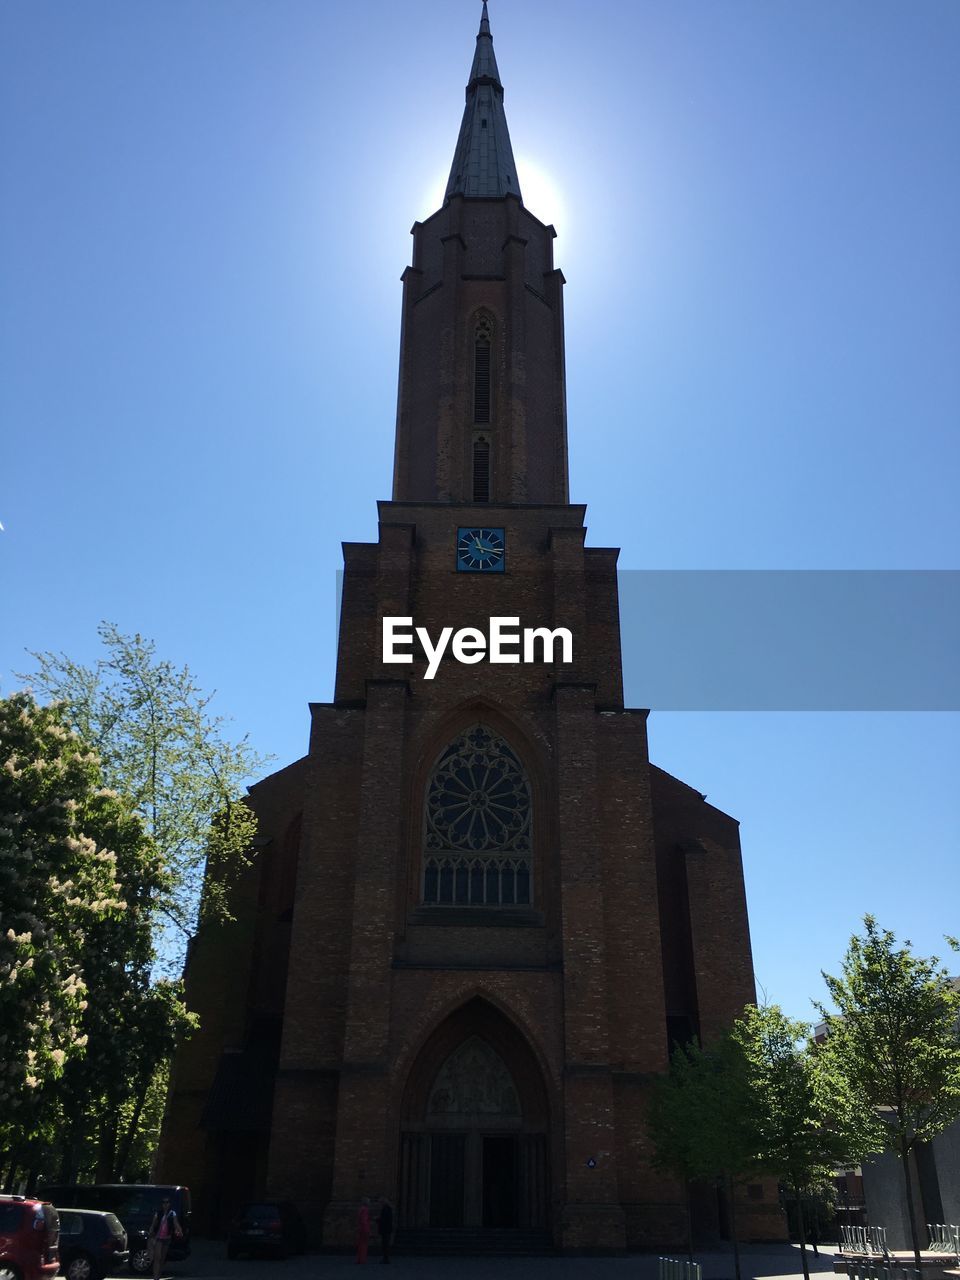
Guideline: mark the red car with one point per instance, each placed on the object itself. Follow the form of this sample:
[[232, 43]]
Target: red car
[[29, 1236]]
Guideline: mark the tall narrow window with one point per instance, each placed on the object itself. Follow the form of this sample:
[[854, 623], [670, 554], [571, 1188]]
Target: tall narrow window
[[481, 469], [481, 370]]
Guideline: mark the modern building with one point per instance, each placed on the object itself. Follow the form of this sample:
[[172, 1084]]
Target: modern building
[[479, 916], [934, 1182]]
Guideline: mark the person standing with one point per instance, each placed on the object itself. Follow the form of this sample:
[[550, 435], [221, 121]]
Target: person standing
[[363, 1229], [385, 1227], [163, 1228]]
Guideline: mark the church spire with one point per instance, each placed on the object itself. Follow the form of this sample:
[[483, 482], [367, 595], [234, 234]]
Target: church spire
[[483, 161]]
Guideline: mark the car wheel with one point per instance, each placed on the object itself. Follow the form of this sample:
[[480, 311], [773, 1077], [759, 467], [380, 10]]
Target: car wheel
[[140, 1260], [80, 1267], [8, 1271]]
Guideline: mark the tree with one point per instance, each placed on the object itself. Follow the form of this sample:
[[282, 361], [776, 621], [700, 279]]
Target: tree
[[161, 746], [702, 1123], [65, 845], [671, 1123], [895, 1040], [807, 1121]]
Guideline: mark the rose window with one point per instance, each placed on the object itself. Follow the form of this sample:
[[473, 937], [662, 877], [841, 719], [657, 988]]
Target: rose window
[[477, 825]]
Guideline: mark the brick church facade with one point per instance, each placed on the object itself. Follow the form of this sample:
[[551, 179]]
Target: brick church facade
[[479, 916]]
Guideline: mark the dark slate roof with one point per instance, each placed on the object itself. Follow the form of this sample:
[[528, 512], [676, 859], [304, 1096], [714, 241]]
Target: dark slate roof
[[483, 161]]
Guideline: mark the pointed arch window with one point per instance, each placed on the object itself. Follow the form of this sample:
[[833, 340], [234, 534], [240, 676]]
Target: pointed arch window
[[477, 826]]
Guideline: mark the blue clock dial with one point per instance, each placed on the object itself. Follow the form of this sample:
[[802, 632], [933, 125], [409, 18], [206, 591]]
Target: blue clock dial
[[480, 550]]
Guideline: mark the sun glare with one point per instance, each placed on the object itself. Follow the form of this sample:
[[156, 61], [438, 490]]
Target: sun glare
[[432, 197], [542, 195]]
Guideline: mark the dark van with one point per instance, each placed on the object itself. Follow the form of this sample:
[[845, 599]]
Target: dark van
[[134, 1203]]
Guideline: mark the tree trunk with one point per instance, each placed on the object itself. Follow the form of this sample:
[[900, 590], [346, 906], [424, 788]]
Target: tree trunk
[[107, 1146], [7, 1179], [803, 1236], [914, 1240], [689, 1190], [68, 1154], [126, 1142], [9, 1184], [733, 1228]]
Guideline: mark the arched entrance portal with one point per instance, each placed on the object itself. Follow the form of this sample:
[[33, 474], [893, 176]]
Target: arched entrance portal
[[474, 1125]]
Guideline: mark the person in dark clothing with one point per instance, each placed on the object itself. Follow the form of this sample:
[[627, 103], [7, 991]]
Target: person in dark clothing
[[163, 1228], [385, 1227]]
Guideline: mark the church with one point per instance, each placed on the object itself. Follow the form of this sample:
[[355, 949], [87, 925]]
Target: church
[[479, 918]]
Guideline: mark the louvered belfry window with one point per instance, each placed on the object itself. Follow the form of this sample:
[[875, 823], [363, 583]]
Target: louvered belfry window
[[481, 370], [482, 351], [481, 469]]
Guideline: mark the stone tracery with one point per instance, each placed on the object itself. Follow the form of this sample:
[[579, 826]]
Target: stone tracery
[[477, 836]]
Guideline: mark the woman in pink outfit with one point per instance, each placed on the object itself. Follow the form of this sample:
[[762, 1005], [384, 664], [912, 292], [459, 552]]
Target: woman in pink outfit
[[162, 1230], [363, 1229]]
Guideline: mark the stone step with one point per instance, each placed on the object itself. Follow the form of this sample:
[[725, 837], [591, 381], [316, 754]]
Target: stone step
[[473, 1241]]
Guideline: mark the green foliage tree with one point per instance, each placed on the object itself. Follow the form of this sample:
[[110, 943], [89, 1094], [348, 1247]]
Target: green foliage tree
[[807, 1121], [132, 1025], [895, 1041], [161, 746], [70, 852], [701, 1121]]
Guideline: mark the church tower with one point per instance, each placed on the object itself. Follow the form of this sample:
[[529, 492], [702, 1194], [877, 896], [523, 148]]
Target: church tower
[[481, 413], [479, 916]]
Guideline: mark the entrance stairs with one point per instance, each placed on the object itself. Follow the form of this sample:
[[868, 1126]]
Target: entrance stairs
[[470, 1242]]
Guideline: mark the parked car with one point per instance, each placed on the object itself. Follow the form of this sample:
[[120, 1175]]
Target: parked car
[[267, 1227], [92, 1244], [29, 1231], [134, 1203]]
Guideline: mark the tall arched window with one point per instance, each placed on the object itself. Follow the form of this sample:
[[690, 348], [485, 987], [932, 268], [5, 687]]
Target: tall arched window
[[477, 826], [482, 345]]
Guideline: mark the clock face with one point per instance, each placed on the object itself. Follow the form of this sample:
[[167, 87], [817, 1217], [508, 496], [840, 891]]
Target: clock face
[[480, 550]]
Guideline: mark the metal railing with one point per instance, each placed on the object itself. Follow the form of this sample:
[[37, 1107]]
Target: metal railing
[[874, 1271], [944, 1238], [868, 1240], [675, 1269]]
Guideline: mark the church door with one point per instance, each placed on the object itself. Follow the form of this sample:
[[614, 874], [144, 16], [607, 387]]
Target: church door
[[500, 1207], [471, 1161], [447, 1167]]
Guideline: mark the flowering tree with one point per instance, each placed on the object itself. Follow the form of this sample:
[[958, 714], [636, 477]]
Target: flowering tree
[[84, 1027], [62, 836], [158, 745], [161, 746]]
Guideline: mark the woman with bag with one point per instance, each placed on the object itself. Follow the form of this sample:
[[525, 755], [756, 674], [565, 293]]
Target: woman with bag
[[163, 1228]]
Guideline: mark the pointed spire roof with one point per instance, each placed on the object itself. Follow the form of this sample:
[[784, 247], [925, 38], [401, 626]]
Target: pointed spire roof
[[483, 161]]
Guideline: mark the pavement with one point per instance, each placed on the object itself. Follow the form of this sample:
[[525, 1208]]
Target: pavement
[[208, 1261]]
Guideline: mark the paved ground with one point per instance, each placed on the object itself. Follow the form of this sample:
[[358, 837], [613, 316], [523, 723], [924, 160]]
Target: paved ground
[[781, 1262]]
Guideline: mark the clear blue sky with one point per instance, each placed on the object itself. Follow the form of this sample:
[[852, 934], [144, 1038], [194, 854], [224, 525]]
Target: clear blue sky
[[204, 215]]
